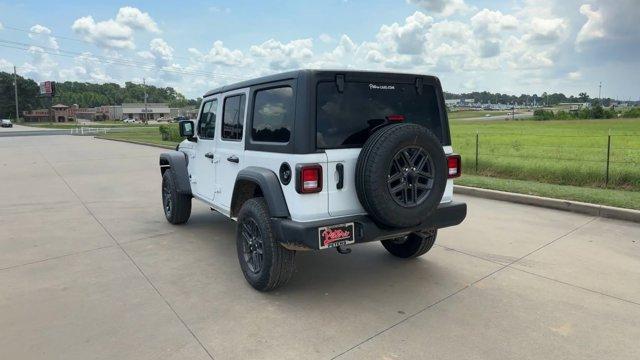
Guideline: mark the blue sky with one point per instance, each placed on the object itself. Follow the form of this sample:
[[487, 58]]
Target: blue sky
[[508, 46]]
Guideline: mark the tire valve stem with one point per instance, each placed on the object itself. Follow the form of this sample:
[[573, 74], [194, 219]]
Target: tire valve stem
[[343, 249]]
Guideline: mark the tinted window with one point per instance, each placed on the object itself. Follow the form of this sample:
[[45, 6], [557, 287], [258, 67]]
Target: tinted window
[[273, 115], [207, 122], [233, 117], [347, 119]]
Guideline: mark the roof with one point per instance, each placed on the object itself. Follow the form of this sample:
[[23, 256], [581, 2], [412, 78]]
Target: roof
[[296, 73], [60, 106], [261, 80], [141, 105]]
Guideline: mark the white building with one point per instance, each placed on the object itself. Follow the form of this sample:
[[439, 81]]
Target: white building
[[152, 111]]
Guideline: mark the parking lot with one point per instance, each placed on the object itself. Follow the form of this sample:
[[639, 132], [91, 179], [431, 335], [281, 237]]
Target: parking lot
[[90, 269]]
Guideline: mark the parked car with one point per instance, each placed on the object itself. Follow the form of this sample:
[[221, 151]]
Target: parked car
[[129, 121], [6, 123], [311, 160]]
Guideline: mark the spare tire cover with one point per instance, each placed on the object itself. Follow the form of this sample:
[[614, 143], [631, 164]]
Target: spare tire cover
[[401, 175]]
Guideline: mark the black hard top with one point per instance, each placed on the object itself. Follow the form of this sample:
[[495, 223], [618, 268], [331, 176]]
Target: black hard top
[[349, 75]]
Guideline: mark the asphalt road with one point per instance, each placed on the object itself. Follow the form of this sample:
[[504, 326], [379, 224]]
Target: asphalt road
[[20, 130], [89, 269]]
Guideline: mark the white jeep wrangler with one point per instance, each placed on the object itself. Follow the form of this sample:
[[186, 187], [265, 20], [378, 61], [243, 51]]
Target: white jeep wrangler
[[316, 159]]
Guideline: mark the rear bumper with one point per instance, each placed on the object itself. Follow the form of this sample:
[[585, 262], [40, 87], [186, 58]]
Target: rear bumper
[[304, 235]]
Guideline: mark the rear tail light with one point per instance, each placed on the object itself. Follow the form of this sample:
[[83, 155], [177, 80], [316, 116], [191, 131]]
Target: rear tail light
[[454, 165], [308, 178], [395, 118]]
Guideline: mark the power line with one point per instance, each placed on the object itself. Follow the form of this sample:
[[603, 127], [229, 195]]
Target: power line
[[5, 26], [110, 60]]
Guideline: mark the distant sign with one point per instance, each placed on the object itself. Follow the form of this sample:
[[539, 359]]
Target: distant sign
[[47, 88]]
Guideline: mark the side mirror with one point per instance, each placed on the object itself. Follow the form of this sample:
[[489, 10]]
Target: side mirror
[[187, 129]]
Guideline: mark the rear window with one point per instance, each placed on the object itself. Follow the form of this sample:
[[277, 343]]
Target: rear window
[[273, 115], [233, 117], [347, 119]]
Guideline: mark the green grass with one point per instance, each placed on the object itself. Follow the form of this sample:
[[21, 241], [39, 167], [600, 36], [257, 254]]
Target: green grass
[[618, 198], [469, 114], [74, 125], [571, 152], [150, 135]]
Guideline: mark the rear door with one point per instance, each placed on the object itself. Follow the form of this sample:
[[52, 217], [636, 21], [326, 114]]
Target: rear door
[[230, 145], [345, 120]]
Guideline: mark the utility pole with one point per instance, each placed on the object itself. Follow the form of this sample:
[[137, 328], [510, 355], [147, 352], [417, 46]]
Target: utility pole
[[15, 87], [600, 91], [146, 117]]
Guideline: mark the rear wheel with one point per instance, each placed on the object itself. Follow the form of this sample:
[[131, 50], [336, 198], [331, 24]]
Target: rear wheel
[[177, 207], [266, 265], [412, 245]]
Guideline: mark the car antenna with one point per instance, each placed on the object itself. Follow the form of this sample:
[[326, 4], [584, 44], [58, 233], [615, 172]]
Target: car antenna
[[419, 87], [340, 83]]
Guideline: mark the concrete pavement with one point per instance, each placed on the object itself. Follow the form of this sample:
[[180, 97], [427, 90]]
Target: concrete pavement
[[89, 268]]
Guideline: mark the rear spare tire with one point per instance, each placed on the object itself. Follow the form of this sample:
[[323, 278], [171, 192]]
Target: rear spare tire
[[401, 175]]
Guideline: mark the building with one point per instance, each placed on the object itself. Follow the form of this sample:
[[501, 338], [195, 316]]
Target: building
[[57, 113], [152, 111]]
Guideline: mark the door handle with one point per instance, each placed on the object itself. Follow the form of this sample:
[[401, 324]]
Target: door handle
[[233, 159], [209, 155], [340, 170]]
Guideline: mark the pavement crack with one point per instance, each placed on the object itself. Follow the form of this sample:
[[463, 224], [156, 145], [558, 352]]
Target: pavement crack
[[55, 257], [144, 275]]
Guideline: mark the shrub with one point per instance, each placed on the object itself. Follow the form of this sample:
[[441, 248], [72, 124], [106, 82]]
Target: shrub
[[632, 113], [170, 132]]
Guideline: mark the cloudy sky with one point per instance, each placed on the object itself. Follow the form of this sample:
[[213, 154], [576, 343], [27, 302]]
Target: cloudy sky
[[512, 47]]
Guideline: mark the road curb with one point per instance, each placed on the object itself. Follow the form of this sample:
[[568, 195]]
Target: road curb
[[558, 204], [137, 142]]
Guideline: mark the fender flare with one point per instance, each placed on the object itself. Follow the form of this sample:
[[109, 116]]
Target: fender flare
[[176, 162], [270, 186]]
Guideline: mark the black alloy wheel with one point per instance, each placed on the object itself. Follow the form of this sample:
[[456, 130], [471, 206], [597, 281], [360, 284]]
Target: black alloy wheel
[[252, 247], [410, 176], [166, 199]]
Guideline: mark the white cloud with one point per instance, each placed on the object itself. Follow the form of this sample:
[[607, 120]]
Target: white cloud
[[1, 26], [409, 38], [325, 38], [281, 56], [442, 7], [220, 55], [42, 33], [487, 22], [546, 31], [136, 19], [159, 48], [118, 33], [5, 65], [593, 28], [574, 75]]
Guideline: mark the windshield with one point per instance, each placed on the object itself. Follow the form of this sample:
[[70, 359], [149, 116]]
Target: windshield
[[347, 119]]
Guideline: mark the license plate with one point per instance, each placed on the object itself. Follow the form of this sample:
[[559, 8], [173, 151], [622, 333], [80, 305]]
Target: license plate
[[335, 235]]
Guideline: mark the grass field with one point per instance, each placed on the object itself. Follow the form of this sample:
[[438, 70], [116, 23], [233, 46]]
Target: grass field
[[150, 135], [572, 152], [610, 197]]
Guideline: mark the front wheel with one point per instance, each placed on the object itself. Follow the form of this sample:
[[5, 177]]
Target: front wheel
[[412, 245], [265, 263], [177, 207]]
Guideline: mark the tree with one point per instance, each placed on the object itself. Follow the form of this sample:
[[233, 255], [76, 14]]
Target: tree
[[28, 92], [583, 97]]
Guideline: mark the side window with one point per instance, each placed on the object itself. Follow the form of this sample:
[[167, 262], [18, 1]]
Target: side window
[[273, 115], [233, 117], [207, 122]]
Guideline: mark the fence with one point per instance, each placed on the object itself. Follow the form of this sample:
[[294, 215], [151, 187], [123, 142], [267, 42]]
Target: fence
[[611, 160]]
